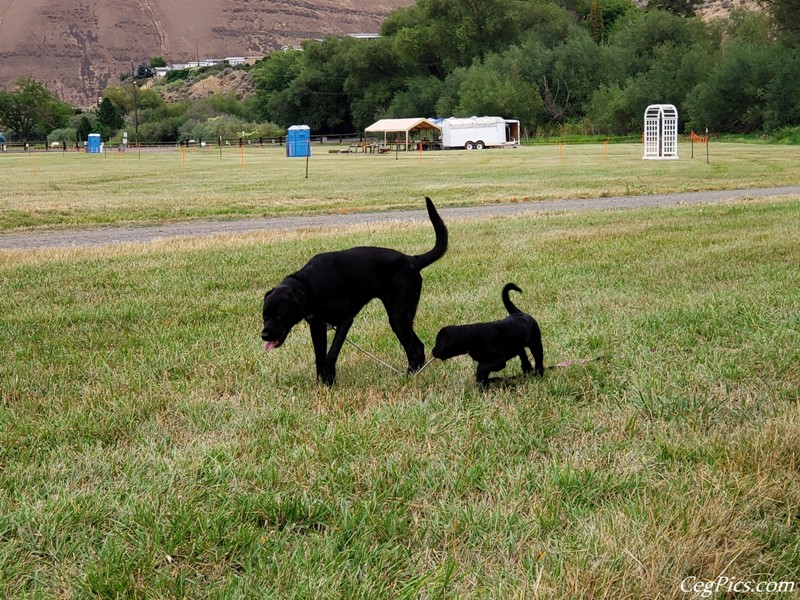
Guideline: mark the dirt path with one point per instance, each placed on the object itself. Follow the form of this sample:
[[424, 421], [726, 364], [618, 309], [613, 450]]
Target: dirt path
[[139, 234]]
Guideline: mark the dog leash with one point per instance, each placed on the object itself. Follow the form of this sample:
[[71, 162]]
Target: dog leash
[[385, 364], [378, 360], [560, 365], [576, 361]]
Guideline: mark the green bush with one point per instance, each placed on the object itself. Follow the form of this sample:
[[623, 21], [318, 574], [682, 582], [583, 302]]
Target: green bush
[[177, 75], [787, 135], [67, 135]]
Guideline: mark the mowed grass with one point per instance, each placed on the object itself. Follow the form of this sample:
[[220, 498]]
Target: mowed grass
[[55, 189], [150, 449]]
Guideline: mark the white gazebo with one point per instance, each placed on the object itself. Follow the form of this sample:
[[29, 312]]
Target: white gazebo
[[661, 132]]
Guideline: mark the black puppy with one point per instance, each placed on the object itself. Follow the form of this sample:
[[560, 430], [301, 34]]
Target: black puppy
[[334, 286], [493, 344]]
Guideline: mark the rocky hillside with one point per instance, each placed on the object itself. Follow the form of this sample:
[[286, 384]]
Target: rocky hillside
[[237, 81], [712, 9], [77, 47]]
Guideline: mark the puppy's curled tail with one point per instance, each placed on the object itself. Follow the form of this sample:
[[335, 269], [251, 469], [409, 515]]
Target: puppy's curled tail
[[440, 247], [507, 301]]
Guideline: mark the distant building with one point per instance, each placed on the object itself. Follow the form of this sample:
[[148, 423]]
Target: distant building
[[233, 61], [364, 36], [239, 61], [358, 36]]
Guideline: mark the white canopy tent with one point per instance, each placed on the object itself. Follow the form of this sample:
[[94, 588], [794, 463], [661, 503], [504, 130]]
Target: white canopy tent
[[402, 129]]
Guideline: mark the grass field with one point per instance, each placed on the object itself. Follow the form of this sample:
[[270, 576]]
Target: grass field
[[150, 449], [76, 189]]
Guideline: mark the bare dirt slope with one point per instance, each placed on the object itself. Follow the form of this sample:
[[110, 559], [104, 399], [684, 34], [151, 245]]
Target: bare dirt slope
[[78, 47]]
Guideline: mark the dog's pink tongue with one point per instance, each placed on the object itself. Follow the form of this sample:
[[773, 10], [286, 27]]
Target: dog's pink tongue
[[270, 345]]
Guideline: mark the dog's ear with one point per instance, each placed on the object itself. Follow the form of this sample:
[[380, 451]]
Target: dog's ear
[[299, 297]]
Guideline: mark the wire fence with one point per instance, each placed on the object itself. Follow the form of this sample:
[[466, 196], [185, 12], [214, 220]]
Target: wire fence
[[345, 142], [108, 145]]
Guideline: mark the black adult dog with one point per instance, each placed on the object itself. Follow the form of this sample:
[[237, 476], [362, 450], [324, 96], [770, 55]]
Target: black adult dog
[[493, 344], [334, 286]]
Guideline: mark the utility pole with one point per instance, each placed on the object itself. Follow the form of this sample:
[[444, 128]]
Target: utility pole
[[136, 113]]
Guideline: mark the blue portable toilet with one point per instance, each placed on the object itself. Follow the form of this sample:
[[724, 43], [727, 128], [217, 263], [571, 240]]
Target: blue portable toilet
[[94, 143], [298, 141]]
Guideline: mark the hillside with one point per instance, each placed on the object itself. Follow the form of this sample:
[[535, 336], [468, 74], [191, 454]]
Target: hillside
[[77, 47], [712, 9]]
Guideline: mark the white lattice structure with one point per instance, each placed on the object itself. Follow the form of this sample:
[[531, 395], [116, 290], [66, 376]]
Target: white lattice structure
[[661, 131]]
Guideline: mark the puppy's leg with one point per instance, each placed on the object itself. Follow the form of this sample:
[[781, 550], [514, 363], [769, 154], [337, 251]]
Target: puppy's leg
[[538, 353], [487, 367], [526, 364]]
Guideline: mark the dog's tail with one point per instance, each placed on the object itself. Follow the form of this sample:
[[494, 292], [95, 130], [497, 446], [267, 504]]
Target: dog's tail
[[440, 247], [507, 301]]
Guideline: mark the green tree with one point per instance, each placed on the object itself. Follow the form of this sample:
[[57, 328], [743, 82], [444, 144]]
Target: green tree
[[228, 127], [613, 10], [636, 36], [123, 97], [161, 122], [732, 97], [316, 97], [496, 87], [84, 129], [443, 35], [273, 75], [595, 24], [417, 97], [782, 107], [569, 74], [546, 24], [749, 26], [678, 55], [65, 135], [109, 118], [375, 75], [32, 111], [787, 16], [608, 110]]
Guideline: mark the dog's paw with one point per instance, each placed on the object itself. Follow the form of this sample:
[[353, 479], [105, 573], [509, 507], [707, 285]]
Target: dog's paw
[[326, 378]]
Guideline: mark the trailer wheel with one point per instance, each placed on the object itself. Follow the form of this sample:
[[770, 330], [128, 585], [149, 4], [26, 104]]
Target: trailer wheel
[[479, 145], [469, 145]]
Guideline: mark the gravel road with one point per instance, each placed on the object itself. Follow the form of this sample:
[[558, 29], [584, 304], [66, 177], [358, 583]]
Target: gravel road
[[139, 234]]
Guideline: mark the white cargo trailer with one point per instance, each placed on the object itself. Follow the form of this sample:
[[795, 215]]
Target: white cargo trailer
[[479, 132]]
